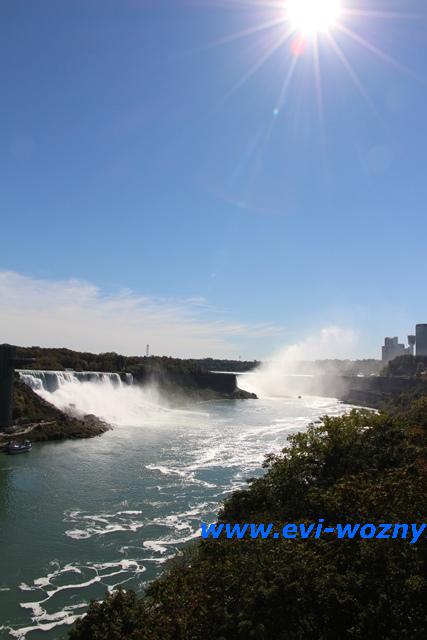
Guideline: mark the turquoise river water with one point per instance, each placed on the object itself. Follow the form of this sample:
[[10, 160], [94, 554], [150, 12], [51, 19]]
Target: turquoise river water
[[79, 517]]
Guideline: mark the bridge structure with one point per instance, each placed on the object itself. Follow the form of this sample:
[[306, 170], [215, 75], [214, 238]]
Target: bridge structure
[[8, 363]]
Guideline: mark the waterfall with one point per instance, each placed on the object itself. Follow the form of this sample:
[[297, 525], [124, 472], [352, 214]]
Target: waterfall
[[51, 381], [110, 396]]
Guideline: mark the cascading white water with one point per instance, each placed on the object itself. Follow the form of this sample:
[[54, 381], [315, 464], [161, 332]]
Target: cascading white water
[[50, 381], [105, 395]]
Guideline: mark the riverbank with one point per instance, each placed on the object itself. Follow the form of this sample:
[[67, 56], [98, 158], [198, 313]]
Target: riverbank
[[375, 392], [379, 391], [39, 421]]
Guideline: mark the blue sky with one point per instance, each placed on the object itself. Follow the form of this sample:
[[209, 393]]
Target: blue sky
[[140, 161]]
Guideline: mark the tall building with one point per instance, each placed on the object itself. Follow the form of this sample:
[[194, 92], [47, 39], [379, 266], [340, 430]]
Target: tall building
[[392, 349], [417, 345], [421, 339]]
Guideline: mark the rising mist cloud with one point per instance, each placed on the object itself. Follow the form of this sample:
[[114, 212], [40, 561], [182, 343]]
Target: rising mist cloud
[[278, 375]]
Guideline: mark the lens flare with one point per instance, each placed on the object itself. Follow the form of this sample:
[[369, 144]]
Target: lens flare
[[313, 16]]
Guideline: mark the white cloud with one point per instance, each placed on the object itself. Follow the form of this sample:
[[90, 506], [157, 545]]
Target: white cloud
[[78, 315]]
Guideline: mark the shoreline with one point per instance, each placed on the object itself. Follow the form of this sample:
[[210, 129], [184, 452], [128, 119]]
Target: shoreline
[[37, 419]]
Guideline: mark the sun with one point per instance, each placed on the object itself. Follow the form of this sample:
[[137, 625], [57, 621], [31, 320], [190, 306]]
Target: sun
[[313, 16]]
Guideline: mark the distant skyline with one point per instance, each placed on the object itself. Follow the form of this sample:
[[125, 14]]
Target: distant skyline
[[199, 177]]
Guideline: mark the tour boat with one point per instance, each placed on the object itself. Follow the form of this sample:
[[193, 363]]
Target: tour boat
[[12, 448]]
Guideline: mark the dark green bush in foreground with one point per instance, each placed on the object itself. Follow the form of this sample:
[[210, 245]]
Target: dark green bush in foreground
[[358, 468]]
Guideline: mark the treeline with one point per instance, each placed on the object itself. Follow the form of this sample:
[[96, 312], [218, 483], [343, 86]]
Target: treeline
[[236, 366], [180, 379], [406, 366], [362, 468], [59, 359]]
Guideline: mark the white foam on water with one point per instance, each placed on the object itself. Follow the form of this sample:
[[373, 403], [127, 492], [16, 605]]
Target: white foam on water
[[209, 456], [46, 621], [90, 525], [185, 473], [164, 470], [24, 587], [123, 564], [155, 545], [22, 632]]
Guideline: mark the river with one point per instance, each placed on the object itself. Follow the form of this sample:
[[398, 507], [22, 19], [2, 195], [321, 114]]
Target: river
[[79, 517]]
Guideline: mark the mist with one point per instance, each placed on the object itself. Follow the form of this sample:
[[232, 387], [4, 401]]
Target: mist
[[284, 373], [115, 402]]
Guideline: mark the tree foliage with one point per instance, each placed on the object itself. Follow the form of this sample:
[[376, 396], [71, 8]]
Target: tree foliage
[[363, 467], [406, 366]]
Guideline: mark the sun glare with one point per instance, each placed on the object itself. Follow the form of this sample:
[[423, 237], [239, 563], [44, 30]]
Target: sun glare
[[299, 28], [313, 16]]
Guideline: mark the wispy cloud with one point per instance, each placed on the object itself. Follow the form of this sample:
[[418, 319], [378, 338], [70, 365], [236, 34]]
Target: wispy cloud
[[78, 315]]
